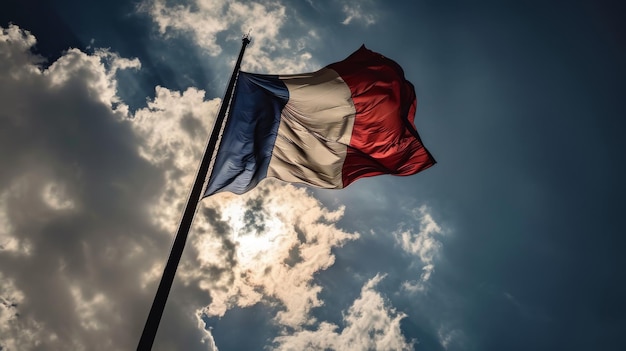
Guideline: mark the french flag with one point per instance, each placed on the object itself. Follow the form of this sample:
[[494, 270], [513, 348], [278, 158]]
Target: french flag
[[349, 120]]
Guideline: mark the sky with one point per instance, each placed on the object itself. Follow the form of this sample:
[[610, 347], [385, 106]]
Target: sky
[[514, 240]]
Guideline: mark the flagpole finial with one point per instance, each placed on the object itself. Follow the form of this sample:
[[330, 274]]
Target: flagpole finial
[[246, 37]]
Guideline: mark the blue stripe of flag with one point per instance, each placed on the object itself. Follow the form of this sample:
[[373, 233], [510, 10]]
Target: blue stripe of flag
[[250, 133]]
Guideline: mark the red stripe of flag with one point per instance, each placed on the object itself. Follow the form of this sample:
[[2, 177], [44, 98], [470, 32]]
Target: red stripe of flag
[[384, 139]]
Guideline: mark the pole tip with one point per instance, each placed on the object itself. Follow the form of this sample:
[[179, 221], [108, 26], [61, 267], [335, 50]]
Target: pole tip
[[246, 37]]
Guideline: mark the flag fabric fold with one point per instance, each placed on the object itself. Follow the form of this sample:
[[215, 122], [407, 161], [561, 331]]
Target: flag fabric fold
[[349, 120]]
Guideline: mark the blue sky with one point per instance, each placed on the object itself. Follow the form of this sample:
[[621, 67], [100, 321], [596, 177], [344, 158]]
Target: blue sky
[[513, 241]]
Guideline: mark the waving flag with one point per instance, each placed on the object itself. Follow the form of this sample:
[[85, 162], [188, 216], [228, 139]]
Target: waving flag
[[349, 120]]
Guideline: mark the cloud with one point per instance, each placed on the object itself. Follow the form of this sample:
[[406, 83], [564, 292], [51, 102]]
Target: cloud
[[449, 337], [16, 332], [173, 130], [65, 197], [370, 324], [277, 238], [423, 244], [78, 228], [207, 22], [359, 11]]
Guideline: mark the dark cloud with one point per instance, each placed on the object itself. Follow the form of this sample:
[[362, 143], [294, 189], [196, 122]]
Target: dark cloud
[[81, 246]]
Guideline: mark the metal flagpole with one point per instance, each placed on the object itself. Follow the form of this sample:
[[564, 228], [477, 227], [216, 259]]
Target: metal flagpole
[[158, 305]]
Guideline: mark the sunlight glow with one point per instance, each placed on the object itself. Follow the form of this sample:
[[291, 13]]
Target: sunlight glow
[[256, 246]]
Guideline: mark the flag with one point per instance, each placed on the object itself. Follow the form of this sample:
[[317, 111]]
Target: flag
[[349, 120]]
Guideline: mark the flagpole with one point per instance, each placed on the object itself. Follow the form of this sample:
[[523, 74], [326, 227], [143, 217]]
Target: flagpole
[[158, 305]]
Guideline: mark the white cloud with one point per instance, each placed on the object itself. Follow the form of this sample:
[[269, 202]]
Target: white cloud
[[370, 324], [207, 337], [271, 242], [54, 195], [17, 333], [17, 59], [8, 241], [423, 244], [173, 129], [449, 337], [272, 50], [96, 72], [204, 22], [87, 308], [359, 11]]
